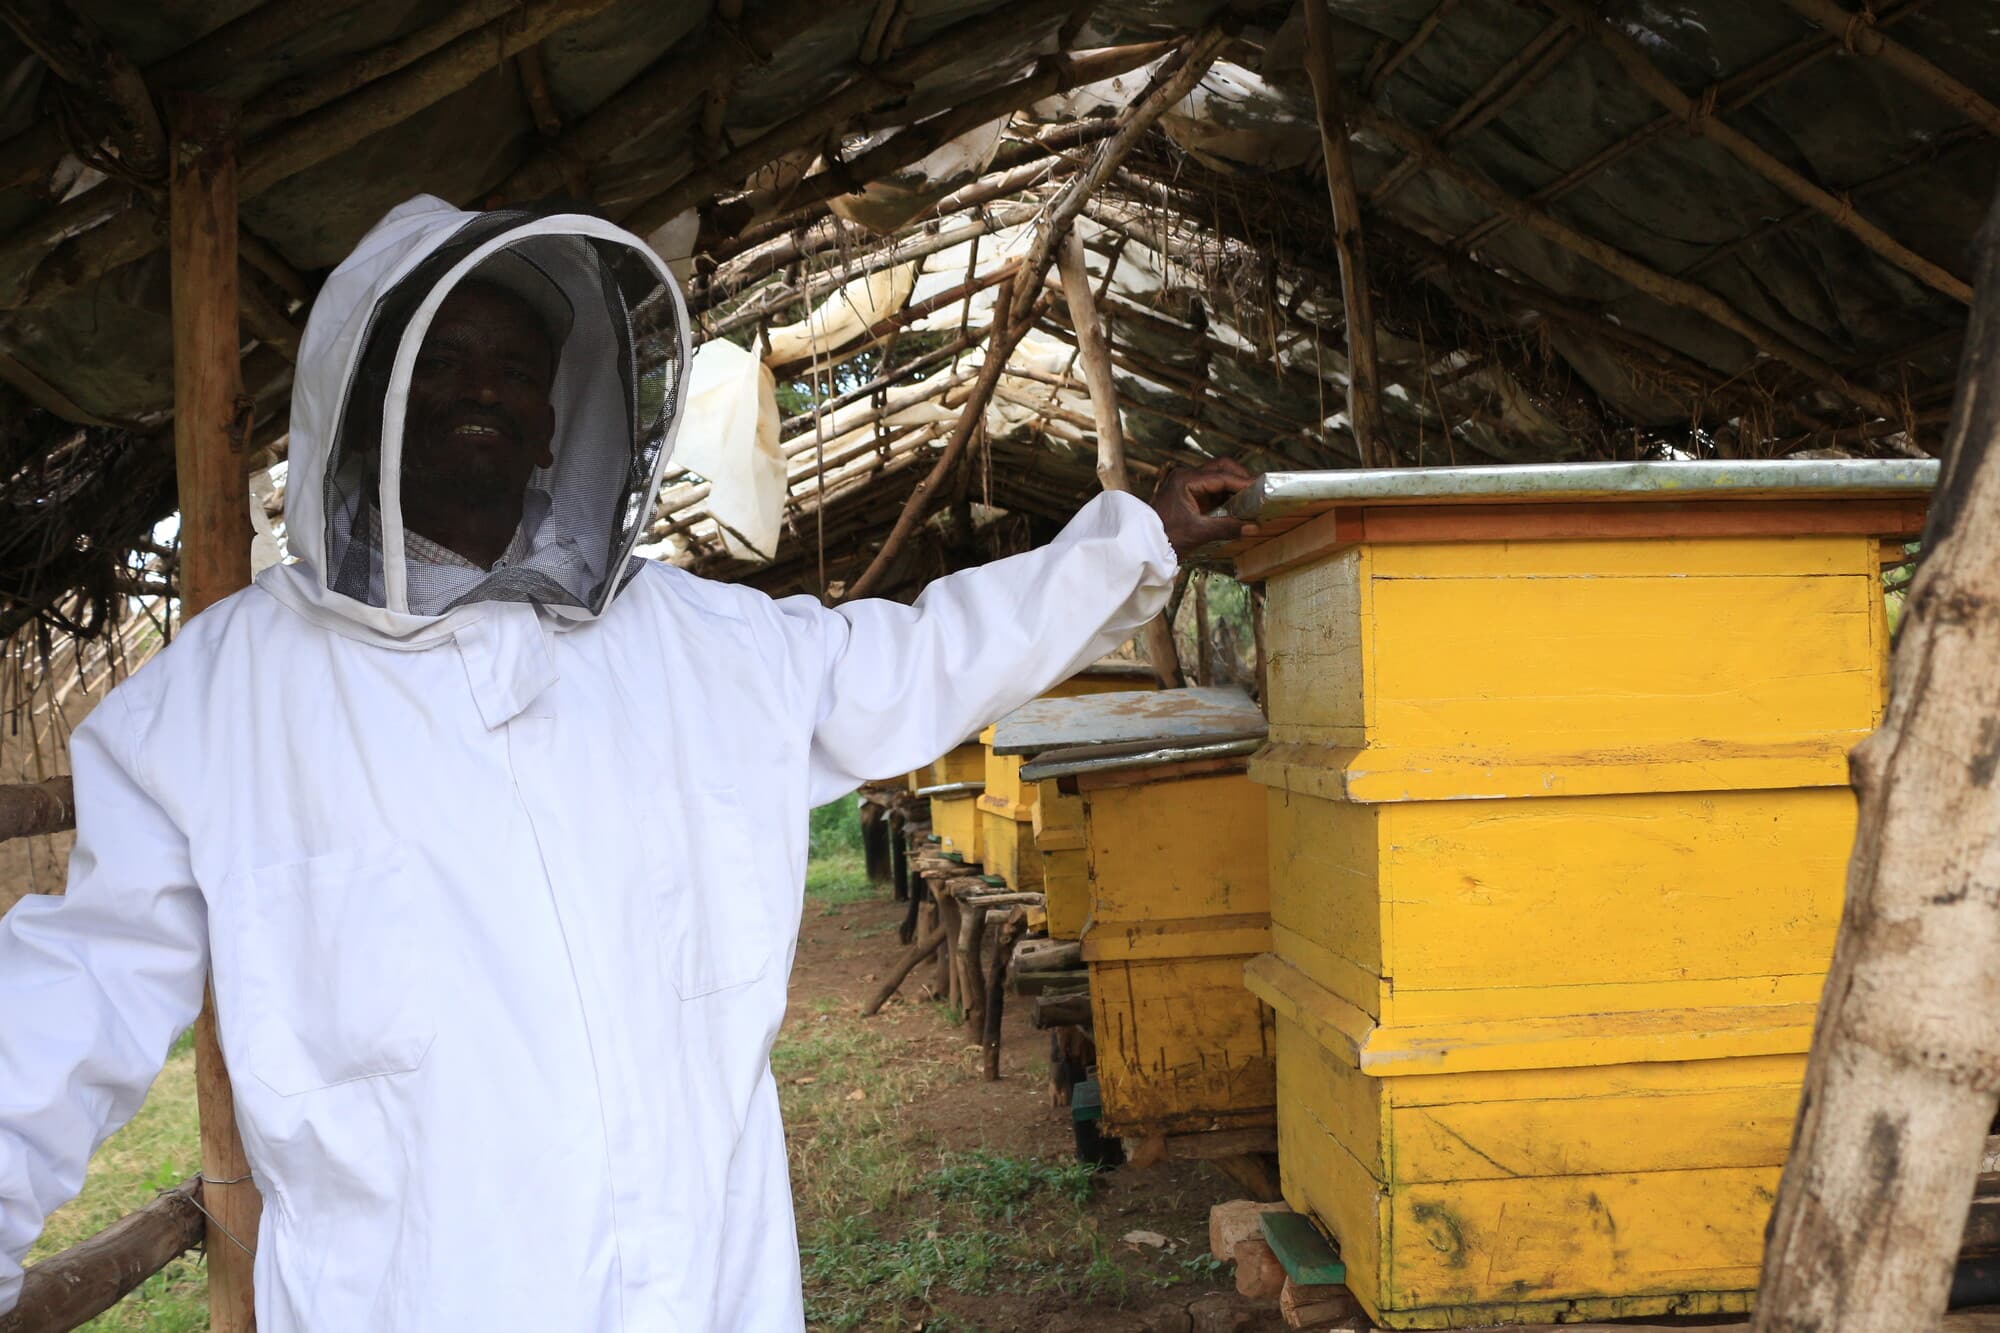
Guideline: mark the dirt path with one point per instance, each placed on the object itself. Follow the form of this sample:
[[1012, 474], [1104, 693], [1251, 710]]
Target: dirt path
[[930, 1199]]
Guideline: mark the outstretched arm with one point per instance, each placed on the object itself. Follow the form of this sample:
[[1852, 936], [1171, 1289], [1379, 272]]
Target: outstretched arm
[[94, 985], [903, 684]]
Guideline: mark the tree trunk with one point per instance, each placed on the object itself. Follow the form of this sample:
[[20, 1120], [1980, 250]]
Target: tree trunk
[[1906, 1054]]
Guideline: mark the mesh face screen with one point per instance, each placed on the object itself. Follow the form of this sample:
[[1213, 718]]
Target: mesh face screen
[[616, 388]]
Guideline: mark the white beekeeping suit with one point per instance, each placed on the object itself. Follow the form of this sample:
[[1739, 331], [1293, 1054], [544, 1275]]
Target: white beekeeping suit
[[498, 871]]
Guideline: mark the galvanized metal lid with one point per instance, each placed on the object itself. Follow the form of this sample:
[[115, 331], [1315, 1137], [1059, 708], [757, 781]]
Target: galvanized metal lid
[[1129, 717], [1280, 494]]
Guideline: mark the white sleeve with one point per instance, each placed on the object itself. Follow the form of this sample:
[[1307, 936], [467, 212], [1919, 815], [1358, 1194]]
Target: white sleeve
[[94, 985], [904, 684]]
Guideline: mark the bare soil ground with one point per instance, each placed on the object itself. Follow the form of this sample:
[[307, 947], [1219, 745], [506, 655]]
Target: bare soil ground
[[931, 1199]]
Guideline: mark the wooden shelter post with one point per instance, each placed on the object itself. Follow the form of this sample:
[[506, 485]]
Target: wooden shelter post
[[1905, 1064], [1364, 377], [1095, 354], [211, 431]]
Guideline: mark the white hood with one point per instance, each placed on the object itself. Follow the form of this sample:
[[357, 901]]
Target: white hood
[[620, 386]]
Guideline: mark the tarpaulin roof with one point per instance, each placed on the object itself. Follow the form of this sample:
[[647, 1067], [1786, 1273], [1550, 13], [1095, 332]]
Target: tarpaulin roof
[[1634, 228]]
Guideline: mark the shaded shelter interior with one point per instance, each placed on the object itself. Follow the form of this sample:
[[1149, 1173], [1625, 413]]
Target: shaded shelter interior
[[1594, 231]]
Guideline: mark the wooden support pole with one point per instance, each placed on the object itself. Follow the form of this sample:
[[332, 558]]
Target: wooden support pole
[[1905, 1066], [1095, 355], [1364, 376], [211, 420], [1096, 361], [1640, 68], [69, 1289]]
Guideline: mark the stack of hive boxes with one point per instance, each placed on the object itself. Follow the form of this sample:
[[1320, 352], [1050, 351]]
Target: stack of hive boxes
[[1559, 823]]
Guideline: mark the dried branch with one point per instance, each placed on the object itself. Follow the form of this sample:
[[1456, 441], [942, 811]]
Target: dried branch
[[1364, 382], [1012, 315]]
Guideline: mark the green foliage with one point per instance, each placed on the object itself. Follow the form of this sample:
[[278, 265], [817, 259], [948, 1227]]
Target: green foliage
[[1896, 583], [1230, 617], [833, 828], [836, 869]]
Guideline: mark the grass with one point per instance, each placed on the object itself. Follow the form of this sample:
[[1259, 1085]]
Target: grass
[[889, 1221]]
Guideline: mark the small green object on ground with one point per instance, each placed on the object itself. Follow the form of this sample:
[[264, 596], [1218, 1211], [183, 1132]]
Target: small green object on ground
[[1307, 1258], [994, 881]]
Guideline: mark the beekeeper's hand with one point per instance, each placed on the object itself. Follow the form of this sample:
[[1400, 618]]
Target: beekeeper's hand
[[1184, 498]]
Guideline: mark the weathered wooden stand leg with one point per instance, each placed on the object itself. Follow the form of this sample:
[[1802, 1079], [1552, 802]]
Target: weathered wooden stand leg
[[971, 934], [1905, 1061], [912, 958], [1010, 933], [899, 858], [209, 458], [947, 910], [875, 841]]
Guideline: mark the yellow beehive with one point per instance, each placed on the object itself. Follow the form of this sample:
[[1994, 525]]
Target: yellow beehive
[[952, 782], [1007, 806], [1065, 875], [1174, 899], [1558, 829], [1178, 904]]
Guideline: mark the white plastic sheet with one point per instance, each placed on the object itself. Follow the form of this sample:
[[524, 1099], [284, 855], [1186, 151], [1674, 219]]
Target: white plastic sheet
[[730, 436]]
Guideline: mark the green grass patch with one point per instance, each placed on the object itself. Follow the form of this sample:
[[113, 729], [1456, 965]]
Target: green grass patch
[[1000, 1186]]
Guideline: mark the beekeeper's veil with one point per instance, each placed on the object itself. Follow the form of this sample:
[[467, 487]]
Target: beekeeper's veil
[[609, 306]]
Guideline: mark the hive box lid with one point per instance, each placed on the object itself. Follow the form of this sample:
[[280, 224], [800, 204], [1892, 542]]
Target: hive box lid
[[1302, 516], [1153, 717], [1285, 494]]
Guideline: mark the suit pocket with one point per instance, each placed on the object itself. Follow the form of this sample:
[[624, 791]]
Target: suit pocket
[[715, 929], [318, 964]]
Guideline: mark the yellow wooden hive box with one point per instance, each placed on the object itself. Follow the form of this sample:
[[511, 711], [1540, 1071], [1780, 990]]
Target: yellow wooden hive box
[[1176, 872], [1058, 827], [1559, 823], [1007, 806], [952, 784]]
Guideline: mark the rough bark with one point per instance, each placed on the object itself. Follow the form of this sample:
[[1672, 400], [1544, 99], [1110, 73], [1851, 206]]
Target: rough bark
[[211, 428], [28, 809], [1905, 1064], [68, 1289]]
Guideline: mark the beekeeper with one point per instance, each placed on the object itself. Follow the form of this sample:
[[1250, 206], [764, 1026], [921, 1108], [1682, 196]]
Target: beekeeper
[[493, 835]]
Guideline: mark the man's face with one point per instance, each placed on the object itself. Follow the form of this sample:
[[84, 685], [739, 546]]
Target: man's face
[[479, 420]]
